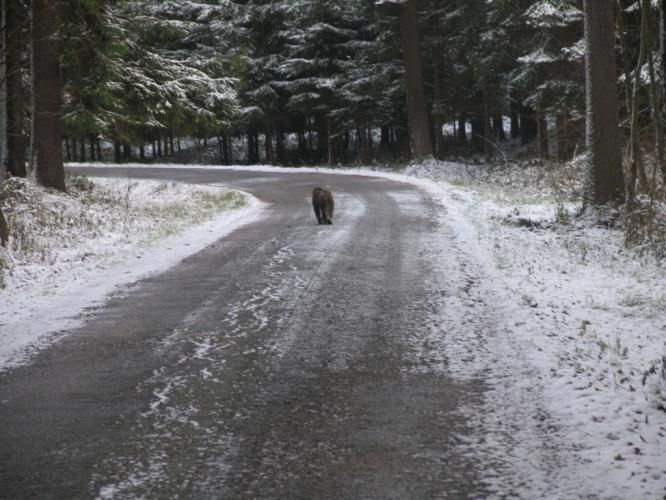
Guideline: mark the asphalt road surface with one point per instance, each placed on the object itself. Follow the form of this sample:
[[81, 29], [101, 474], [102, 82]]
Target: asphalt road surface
[[288, 360]]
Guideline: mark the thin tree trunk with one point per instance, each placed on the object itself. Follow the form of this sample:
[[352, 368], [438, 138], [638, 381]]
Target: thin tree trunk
[[329, 140], [462, 132], [117, 152], [542, 124], [3, 92], [16, 139], [515, 118], [310, 140], [657, 116], [250, 147], [561, 133], [269, 145], [636, 163], [487, 143], [625, 57], [279, 145]]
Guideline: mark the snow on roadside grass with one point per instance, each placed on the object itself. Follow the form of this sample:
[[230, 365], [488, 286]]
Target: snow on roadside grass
[[576, 367], [68, 252]]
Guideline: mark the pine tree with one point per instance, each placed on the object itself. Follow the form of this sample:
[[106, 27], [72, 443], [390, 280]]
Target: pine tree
[[175, 72], [553, 71], [320, 52], [262, 102]]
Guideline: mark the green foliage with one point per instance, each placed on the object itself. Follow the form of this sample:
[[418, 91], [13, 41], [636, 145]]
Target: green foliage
[[136, 68]]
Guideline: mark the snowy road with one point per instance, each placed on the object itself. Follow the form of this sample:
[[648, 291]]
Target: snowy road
[[288, 360]]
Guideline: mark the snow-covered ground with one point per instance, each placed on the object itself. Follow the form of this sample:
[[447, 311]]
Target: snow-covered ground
[[574, 353], [67, 254], [577, 365]]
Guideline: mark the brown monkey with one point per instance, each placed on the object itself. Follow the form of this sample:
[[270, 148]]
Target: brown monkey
[[322, 202]]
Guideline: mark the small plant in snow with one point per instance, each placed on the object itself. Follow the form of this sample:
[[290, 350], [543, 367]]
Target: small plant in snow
[[582, 329], [655, 378], [561, 215], [528, 300], [633, 300]]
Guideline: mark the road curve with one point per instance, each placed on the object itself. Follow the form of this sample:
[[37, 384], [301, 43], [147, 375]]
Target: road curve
[[285, 361]]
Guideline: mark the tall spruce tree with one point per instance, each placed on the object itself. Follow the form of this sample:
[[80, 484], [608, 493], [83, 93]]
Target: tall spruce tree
[[176, 69], [553, 71], [320, 53]]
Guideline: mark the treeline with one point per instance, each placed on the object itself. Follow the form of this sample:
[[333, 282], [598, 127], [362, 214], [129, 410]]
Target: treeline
[[315, 81]]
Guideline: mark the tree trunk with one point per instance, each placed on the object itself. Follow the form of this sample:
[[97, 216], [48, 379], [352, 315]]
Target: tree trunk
[[250, 148], [462, 131], [3, 92], [47, 88], [228, 149], [515, 119], [561, 133], [310, 140], [478, 134], [542, 124], [117, 156], [528, 125], [330, 144], [498, 127], [487, 143], [606, 178], [279, 146], [269, 145], [636, 163], [16, 139], [657, 117], [417, 117]]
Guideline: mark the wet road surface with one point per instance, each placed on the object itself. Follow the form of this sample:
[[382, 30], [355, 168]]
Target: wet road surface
[[288, 360]]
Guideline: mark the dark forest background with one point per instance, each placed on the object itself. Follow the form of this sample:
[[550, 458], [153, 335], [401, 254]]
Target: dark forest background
[[295, 82]]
